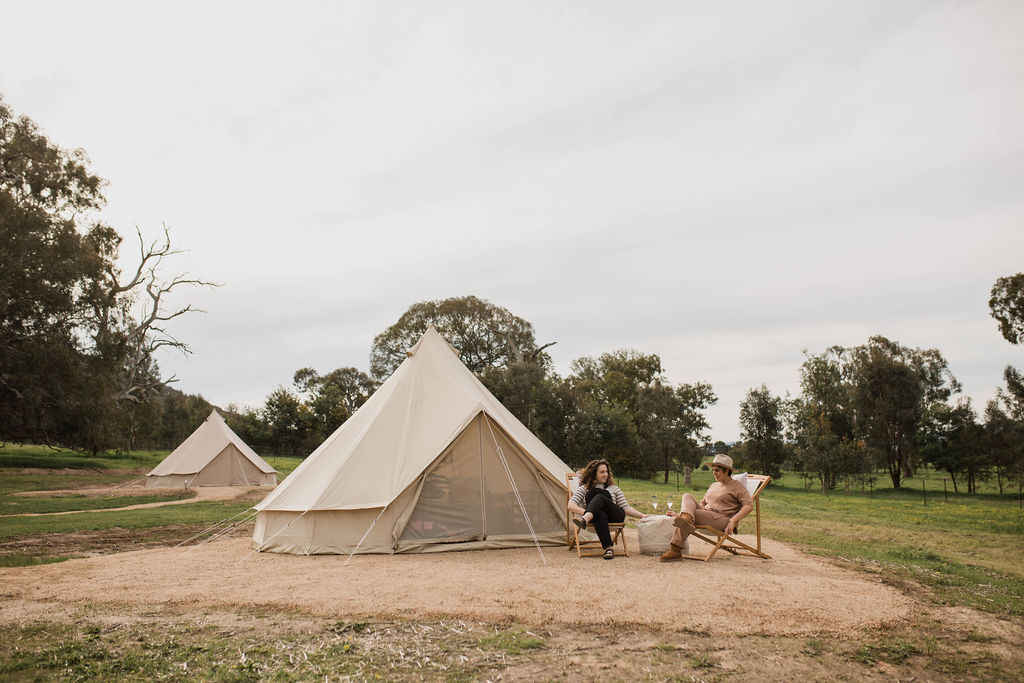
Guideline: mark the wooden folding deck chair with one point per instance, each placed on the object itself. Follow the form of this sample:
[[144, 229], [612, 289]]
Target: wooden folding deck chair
[[755, 483], [587, 543]]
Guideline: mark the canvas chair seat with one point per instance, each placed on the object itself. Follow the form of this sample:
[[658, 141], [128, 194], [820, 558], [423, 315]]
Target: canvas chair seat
[[719, 540], [587, 543]]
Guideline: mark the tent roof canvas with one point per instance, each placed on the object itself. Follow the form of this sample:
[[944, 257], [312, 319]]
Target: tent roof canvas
[[202, 446], [400, 430]]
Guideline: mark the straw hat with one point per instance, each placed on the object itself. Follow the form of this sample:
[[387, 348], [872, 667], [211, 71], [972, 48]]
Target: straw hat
[[723, 460]]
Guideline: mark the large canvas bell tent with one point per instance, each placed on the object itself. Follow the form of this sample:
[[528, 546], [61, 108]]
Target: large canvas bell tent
[[213, 455], [432, 461]]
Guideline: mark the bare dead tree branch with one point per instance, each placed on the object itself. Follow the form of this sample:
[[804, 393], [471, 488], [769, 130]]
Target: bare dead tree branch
[[145, 334]]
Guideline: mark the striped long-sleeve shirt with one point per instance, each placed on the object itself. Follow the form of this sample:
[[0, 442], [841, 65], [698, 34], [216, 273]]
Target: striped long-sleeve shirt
[[579, 496]]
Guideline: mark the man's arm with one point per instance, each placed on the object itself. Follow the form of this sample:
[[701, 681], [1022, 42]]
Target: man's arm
[[734, 520]]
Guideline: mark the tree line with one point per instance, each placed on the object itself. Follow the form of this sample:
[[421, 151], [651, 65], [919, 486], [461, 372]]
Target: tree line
[[884, 406], [877, 407], [618, 406]]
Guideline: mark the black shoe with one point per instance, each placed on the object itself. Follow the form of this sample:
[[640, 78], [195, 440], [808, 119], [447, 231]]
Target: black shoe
[[609, 554], [580, 522]]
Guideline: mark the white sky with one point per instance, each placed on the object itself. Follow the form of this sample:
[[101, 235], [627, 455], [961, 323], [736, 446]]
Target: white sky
[[723, 184]]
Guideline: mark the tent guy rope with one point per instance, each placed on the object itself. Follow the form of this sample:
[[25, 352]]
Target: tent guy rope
[[515, 489]]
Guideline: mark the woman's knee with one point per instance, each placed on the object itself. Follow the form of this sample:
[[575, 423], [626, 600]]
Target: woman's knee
[[690, 498]]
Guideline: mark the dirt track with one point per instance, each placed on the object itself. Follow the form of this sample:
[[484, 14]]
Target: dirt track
[[201, 493], [790, 594]]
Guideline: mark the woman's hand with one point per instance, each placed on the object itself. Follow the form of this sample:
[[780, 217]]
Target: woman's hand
[[730, 527], [670, 513]]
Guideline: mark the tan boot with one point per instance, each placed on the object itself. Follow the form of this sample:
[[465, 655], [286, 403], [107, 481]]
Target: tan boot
[[684, 522], [673, 553]]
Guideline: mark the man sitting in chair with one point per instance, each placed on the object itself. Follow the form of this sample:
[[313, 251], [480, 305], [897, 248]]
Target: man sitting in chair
[[599, 501], [726, 502]]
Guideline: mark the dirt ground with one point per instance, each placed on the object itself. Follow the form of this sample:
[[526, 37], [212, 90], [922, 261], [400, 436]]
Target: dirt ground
[[790, 594], [791, 617]]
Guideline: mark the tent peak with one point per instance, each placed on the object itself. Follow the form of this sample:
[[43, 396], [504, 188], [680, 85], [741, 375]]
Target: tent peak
[[434, 337]]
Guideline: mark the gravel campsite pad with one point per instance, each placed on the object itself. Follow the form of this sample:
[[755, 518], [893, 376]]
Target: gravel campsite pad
[[790, 594]]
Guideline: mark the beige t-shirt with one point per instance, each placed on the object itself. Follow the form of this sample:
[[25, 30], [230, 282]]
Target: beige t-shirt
[[727, 499]]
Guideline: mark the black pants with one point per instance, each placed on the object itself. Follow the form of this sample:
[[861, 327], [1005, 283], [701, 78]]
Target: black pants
[[604, 509]]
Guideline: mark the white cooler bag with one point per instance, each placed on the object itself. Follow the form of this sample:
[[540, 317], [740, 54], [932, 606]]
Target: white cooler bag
[[655, 535]]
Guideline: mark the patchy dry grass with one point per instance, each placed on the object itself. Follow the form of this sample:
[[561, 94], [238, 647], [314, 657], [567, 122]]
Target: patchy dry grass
[[102, 644]]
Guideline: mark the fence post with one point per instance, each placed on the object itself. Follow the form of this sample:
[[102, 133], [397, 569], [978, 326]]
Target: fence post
[[945, 495], [924, 492]]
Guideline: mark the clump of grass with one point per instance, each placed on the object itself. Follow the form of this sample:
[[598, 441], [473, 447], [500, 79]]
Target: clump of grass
[[349, 627], [23, 560], [915, 555], [813, 647], [702, 660], [956, 661], [894, 652], [976, 637], [865, 655], [512, 642]]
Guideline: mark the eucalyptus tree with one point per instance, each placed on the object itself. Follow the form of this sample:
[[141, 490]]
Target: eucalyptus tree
[[761, 427], [1006, 305], [659, 424], [821, 423], [73, 342], [1004, 416], [1004, 429], [540, 399], [891, 386], [334, 397], [672, 423], [486, 335], [289, 423], [951, 441]]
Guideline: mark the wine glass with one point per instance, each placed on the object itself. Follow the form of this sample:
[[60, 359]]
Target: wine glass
[[669, 503], [654, 502]]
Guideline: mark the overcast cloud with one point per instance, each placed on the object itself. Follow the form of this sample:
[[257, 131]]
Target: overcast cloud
[[724, 185]]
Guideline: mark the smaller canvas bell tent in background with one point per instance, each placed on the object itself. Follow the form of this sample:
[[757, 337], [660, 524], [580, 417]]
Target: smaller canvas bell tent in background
[[432, 461], [212, 456]]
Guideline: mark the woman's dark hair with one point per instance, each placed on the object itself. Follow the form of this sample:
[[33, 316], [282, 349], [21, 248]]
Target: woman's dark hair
[[589, 475]]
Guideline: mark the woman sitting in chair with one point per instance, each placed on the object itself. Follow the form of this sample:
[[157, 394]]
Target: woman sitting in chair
[[726, 503], [598, 502]]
